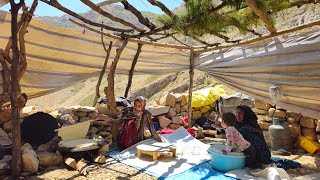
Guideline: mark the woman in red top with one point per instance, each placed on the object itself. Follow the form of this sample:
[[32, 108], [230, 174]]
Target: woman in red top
[[131, 124]]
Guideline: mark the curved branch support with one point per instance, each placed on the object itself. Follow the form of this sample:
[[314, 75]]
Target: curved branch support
[[55, 3], [103, 68], [141, 18], [134, 62], [110, 16], [262, 14]]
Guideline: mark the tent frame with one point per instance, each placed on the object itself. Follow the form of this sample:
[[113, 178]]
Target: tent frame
[[12, 75]]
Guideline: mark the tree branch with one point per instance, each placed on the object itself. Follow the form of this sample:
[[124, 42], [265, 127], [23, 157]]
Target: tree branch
[[161, 6], [133, 65], [103, 68], [204, 42], [138, 14], [55, 3], [225, 38], [262, 15], [131, 40], [110, 16]]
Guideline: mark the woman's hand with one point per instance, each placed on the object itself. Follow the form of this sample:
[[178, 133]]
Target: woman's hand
[[101, 117]]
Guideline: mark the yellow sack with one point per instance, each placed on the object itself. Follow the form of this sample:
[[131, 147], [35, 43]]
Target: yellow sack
[[206, 96]]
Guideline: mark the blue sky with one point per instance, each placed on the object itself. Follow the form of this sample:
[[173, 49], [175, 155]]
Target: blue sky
[[76, 5]]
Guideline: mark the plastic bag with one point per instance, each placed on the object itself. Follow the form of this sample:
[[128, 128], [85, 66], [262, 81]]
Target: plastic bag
[[206, 96]]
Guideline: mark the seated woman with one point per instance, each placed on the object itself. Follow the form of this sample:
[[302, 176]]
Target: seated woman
[[235, 141], [131, 124], [247, 124]]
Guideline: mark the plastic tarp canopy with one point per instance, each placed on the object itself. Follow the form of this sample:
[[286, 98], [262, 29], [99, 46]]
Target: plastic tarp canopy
[[58, 57], [290, 62]]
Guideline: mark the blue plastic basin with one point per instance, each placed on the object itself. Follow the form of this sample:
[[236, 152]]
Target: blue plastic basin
[[225, 163]]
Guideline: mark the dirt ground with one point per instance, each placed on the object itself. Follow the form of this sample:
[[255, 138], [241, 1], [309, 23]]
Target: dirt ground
[[115, 170]]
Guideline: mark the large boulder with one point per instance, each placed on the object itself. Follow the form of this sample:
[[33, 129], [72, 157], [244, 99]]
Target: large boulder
[[280, 113], [183, 100], [8, 126], [164, 122], [172, 112], [30, 162], [157, 110], [83, 108], [49, 159], [5, 166], [178, 108], [168, 99], [177, 120], [261, 105], [307, 122], [68, 119], [309, 132]]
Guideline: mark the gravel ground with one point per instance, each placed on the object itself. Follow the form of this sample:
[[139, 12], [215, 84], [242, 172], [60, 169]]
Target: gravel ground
[[115, 170]]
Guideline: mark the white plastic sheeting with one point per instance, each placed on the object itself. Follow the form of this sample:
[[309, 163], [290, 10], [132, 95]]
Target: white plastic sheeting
[[58, 57], [289, 62]]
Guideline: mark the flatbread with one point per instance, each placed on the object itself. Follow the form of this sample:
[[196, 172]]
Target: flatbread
[[78, 143]]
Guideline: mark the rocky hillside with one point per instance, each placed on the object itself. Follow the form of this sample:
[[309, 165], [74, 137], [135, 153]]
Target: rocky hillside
[[150, 86], [115, 10]]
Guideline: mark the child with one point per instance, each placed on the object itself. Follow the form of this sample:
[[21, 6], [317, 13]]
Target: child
[[235, 141]]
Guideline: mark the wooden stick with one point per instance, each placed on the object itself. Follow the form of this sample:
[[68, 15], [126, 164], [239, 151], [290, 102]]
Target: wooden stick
[[131, 40], [103, 69], [204, 42], [110, 16], [161, 6], [175, 38], [111, 105], [27, 18], [316, 23], [107, 2], [134, 62], [138, 14], [55, 3], [15, 91], [191, 73]]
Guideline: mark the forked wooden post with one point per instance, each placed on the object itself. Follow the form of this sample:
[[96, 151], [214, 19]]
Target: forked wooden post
[[134, 62], [191, 73], [15, 91], [112, 106], [103, 69]]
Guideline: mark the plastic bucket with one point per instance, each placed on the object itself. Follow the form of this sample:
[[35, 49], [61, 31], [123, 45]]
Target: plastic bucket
[[225, 163], [309, 145]]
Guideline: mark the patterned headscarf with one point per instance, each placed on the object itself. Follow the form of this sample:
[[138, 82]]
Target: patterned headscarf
[[249, 118], [142, 100]]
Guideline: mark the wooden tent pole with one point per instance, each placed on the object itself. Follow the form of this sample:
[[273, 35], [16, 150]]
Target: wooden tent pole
[[103, 68], [111, 105], [191, 73], [134, 62], [15, 91]]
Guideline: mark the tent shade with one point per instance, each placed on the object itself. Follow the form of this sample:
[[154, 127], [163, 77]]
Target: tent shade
[[59, 57], [289, 62]]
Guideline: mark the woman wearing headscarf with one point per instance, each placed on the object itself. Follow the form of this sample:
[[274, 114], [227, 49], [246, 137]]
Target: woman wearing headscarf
[[258, 154], [131, 124]]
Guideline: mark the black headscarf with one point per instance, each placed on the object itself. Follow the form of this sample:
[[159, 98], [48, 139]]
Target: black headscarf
[[249, 118]]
